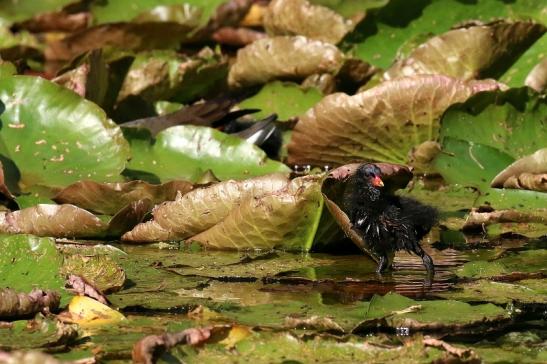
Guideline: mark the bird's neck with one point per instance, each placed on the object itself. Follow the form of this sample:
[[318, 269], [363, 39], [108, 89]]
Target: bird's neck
[[371, 200]]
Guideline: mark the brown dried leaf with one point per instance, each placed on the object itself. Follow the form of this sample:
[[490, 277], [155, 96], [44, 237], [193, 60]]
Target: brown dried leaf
[[110, 198], [201, 208], [477, 219], [66, 221], [13, 304], [474, 52], [283, 57], [299, 17], [537, 78], [528, 173], [381, 124]]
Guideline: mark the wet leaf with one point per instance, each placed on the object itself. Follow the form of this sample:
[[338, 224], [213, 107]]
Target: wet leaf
[[283, 57], [87, 313], [41, 332], [531, 261], [529, 173], [109, 198], [516, 75], [474, 52], [287, 100], [52, 220], [187, 151], [29, 262], [299, 17], [286, 219], [380, 124], [101, 271], [55, 137], [202, 208], [528, 291]]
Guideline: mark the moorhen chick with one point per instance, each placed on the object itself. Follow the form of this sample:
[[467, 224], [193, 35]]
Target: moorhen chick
[[385, 221]]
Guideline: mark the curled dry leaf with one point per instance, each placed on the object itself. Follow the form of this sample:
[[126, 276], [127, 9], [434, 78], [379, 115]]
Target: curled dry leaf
[[462, 353], [14, 304], [537, 78], [109, 198], [82, 287], [381, 124], [34, 356], [283, 57], [201, 208], [474, 52], [237, 37], [342, 178], [286, 218], [67, 221], [299, 17], [529, 173], [148, 349], [477, 219]]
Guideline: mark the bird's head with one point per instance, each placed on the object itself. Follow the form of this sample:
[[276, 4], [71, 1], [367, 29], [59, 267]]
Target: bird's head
[[369, 175]]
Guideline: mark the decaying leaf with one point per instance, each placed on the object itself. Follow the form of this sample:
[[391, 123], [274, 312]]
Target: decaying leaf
[[109, 198], [88, 312], [201, 208], [341, 179], [286, 219], [299, 17], [537, 78], [14, 304], [474, 52], [528, 173], [148, 349], [283, 57], [100, 271], [477, 219], [6, 197], [82, 287], [381, 124], [52, 220]]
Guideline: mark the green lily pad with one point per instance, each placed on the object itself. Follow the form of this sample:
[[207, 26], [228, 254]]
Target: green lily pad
[[29, 262], [22, 10], [7, 69], [528, 291], [55, 137], [516, 75], [40, 332], [530, 261], [287, 100], [386, 29], [187, 151], [351, 8]]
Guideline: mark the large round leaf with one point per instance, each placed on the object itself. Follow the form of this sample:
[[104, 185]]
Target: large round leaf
[[380, 124], [467, 53], [283, 57], [56, 137], [187, 151]]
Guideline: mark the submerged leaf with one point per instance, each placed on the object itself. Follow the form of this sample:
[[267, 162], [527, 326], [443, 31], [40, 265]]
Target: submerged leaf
[[474, 52], [202, 208], [285, 219], [299, 17], [381, 124], [283, 57]]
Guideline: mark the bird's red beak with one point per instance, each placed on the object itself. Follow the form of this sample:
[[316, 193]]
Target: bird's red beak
[[377, 182]]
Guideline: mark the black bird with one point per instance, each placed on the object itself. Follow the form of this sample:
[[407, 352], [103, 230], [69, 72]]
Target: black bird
[[385, 221]]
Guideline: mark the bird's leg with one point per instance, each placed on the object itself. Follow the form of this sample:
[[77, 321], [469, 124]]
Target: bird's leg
[[382, 264], [426, 259]]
